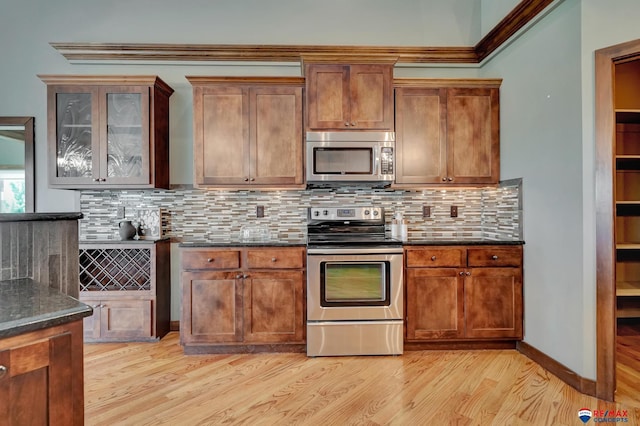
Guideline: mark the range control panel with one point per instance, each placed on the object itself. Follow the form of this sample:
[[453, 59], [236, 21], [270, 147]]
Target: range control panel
[[346, 213]]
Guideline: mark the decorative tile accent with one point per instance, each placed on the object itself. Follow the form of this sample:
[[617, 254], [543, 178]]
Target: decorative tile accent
[[205, 215]]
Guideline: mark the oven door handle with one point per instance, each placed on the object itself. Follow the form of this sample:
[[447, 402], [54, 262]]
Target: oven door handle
[[365, 251]]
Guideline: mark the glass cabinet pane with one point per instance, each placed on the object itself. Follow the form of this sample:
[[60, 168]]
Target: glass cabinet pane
[[124, 135], [73, 140]]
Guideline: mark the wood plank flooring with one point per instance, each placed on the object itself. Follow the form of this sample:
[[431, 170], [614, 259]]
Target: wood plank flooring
[[155, 383]]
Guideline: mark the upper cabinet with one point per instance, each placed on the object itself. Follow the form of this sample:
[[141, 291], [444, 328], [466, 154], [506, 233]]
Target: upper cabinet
[[348, 96], [248, 132], [108, 131], [447, 132]]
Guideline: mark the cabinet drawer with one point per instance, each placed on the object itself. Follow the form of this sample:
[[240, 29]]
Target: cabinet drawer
[[436, 257], [210, 259], [272, 258], [495, 256]]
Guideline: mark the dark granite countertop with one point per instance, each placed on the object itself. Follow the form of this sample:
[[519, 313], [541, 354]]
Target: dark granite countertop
[[26, 305], [142, 241], [239, 243], [26, 217], [460, 242]]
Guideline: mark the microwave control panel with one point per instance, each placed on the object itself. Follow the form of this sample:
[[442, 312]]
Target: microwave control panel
[[386, 161]]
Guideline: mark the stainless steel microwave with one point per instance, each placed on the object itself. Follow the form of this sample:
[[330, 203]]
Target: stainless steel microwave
[[350, 157]]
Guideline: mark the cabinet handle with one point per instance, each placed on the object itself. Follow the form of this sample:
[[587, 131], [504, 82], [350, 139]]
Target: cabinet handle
[[246, 179], [468, 273], [238, 276], [444, 179], [494, 257], [96, 306], [449, 179], [245, 276], [252, 179], [96, 180], [3, 371], [211, 259], [273, 259], [353, 123], [433, 258], [346, 124], [461, 273]]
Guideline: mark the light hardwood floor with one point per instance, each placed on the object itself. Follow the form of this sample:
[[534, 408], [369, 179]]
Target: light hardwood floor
[[155, 383]]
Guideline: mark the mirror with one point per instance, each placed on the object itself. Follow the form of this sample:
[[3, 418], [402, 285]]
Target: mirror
[[16, 165]]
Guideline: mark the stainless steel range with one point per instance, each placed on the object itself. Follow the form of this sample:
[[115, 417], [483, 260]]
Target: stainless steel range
[[354, 283]]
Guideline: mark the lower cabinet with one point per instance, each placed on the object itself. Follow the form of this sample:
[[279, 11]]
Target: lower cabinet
[[118, 319], [128, 286], [464, 293], [242, 297], [41, 377]]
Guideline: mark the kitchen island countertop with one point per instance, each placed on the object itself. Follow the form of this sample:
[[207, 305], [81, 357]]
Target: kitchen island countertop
[[26, 305]]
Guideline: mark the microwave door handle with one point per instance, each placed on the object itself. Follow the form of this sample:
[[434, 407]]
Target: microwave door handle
[[376, 160]]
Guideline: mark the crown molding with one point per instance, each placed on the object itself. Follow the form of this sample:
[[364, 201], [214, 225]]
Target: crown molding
[[75, 52], [518, 18]]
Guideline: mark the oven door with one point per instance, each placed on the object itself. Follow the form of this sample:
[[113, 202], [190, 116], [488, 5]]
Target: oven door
[[354, 284]]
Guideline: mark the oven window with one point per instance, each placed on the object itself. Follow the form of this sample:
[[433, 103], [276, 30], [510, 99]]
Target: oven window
[[343, 161], [355, 283]]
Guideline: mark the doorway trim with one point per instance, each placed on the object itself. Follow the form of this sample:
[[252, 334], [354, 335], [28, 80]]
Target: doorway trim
[[604, 128]]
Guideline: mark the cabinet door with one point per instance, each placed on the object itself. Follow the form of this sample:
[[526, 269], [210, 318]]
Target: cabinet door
[[434, 304], [421, 135], [36, 382], [73, 123], [91, 324], [328, 103], [493, 303], [276, 135], [221, 132], [211, 307], [473, 135], [124, 131], [274, 307], [371, 96], [126, 319]]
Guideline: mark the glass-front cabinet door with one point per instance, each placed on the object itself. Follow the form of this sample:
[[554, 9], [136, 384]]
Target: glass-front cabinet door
[[124, 132], [76, 124]]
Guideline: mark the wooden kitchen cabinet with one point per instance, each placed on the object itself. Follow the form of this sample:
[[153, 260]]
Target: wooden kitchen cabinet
[[244, 298], [41, 377], [107, 131], [349, 96], [248, 132], [464, 293], [211, 307], [128, 286], [447, 132]]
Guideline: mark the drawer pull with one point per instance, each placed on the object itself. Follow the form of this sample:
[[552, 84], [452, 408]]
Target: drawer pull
[[494, 257], [433, 258], [468, 273], [273, 259], [211, 259], [238, 276], [461, 273], [3, 371]]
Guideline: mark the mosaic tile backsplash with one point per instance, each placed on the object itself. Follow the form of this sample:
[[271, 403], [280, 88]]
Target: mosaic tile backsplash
[[217, 216]]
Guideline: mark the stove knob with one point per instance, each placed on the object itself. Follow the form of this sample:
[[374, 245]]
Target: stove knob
[[367, 212], [325, 212], [376, 213], [316, 213]]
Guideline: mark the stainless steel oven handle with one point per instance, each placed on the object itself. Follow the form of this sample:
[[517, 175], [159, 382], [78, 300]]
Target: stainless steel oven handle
[[364, 251]]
